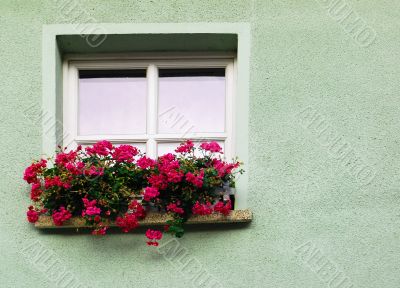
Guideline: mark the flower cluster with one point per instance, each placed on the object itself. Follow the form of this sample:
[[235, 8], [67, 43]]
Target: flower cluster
[[101, 183]]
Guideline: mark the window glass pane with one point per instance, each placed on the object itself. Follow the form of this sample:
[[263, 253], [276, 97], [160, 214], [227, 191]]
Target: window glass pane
[[112, 102], [169, 147], [191, 100]]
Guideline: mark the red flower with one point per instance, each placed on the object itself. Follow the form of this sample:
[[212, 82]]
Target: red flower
[[60, 216], [222, 208], [174, 176], [92, 211], [75, 168], [55, 182], [202, 209], [165, 166], [31, 173], [36, 191], [97, 219], [137, 209], [150, 193], [158, 181], [169, 157], [95, 171], [213, 147], [195, 180], [173, 207], [153, 234], [145, 162], [185, 147], [100, 231], [63, 158], [224, 168], [101, 148], [90, 207], [127, 223], [125, 153], [32, 215]]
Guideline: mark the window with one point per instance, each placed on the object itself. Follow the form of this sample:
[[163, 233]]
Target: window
[[150, 102], [131, 46]]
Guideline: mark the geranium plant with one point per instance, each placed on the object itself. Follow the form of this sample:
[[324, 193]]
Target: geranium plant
[[104, 183]]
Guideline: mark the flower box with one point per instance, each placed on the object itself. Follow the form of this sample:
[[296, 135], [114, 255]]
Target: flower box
[[105, 185], [154, 218]]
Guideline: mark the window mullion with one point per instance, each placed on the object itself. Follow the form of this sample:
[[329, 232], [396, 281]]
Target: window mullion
[[152, 109]]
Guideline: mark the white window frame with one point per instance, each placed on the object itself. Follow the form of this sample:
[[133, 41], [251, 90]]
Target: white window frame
[[151, 63]]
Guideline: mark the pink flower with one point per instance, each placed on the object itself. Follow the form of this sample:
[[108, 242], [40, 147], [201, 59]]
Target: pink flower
[[173, 207], [153, 234], [89, 203], [202, 209], [145, 162], [92, 211], [60, 216], [90, 208], [213, 147], [125, 153], [101, 148], [222, 208], [32, 215], [127, 223], [150, 193], [185, 147], [31, 173]]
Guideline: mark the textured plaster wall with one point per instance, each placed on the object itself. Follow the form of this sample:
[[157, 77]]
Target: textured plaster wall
[[300, 191]]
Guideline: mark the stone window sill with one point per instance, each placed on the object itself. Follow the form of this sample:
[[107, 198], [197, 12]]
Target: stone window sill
[[153, 218]]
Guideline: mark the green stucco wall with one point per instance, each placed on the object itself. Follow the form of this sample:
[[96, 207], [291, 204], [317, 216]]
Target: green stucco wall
[[323, 147]]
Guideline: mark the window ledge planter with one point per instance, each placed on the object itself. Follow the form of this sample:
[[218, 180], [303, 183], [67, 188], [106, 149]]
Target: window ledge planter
[[105, 185], [155, 218]]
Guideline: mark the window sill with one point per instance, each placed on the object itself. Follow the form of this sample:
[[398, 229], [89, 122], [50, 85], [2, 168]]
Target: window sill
[[236, 216]]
